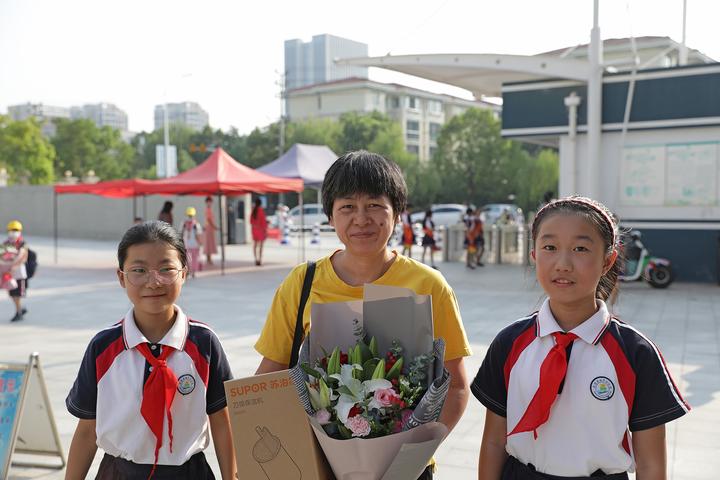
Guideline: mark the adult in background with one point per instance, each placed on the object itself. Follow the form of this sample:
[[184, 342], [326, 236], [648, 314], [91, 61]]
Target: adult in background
[[363, 195], [209, 244], [258, 221], [166, 213], [17, 254]]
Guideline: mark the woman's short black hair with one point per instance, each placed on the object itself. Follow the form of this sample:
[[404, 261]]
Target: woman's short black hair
[[208, 199], [364, 172], [149, 232], [167, 206]]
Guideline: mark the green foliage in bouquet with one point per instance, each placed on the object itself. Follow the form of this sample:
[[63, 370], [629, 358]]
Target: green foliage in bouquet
[[363, 394]]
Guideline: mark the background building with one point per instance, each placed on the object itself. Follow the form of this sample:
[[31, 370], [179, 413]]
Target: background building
[[652, 52], [103, 115], [308, 63], [189, 114], [420, 113], [44, 114]]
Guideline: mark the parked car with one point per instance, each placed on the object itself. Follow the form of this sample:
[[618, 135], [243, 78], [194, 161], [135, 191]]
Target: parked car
[[444, 214], [493, 212], [312, 213]]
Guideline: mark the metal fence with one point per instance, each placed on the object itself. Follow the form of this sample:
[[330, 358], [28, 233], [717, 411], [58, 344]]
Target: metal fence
[[504, 244]]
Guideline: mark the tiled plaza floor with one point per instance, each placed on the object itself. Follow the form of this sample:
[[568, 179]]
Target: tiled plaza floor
[[73, 299]]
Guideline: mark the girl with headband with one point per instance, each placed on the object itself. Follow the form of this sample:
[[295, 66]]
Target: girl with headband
[[571, 391]]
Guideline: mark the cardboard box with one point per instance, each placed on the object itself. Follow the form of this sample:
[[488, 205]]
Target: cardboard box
[[272, 437]]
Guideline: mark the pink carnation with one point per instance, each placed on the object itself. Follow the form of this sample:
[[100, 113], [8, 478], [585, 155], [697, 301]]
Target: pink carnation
[[386, 397], [358, 426], [322, 416]]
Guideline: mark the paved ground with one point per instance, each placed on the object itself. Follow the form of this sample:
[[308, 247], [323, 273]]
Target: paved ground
[[70, 301]]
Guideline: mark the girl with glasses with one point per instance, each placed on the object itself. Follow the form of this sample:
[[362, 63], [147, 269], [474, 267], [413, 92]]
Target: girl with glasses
[[154, 366]]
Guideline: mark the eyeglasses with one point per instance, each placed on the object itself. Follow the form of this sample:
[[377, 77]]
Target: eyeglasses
[[140, 276]]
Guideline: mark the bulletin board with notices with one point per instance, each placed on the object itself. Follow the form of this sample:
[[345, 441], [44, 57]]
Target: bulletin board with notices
[[678, 174]]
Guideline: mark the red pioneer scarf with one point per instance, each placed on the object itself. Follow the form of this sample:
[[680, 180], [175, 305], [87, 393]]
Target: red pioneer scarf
[[552, 373], [158, 395]]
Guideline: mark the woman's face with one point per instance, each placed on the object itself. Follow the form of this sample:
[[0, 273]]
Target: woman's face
[[363, 223]]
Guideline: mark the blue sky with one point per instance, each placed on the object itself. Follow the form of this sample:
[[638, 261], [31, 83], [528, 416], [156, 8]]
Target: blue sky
[[226, 54]]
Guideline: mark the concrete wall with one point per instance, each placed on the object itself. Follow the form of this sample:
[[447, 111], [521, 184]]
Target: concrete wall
[[88, 216]]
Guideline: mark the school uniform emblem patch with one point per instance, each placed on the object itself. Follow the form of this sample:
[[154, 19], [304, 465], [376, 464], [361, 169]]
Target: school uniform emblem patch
[[602, 388], [186, 384]]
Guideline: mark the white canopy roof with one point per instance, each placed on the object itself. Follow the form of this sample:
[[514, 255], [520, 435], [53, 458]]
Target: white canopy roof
[[481, 74]]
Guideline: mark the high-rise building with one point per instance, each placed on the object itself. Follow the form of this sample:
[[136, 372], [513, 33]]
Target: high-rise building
[[420, 113], [103, 114], [189, 114], [44, 114], [308, 63]]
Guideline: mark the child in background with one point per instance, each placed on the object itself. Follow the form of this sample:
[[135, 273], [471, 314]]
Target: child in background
[[565, 386], [428, 241], [14, 247], [408, 236], [192, 237], [156, 363]]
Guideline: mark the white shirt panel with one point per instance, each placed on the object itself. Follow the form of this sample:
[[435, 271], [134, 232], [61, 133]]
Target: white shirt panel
[[121, 430]]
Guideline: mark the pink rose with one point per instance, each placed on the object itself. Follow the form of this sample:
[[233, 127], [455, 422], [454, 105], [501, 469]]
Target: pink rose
[[385, 397], [322, 416], [358, 425]]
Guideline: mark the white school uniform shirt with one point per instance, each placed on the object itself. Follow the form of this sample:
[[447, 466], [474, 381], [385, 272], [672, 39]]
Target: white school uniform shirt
[[109, 389], [616, 383]]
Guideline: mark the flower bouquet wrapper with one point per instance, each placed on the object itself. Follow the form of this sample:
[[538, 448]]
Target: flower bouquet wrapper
[[8, 254], [401, 455], [387, 314]]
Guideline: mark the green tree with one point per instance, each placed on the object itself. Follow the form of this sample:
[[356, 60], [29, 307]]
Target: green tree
[[313, 132], [81, 146], [540, 176], [24, 152], [475, 164], [375, 132]]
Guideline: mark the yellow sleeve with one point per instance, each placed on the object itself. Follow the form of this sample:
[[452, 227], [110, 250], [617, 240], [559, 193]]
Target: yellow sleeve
[[447, 323], [276, 338]]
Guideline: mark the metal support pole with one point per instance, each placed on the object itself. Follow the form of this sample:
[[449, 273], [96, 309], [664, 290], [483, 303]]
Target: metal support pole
[[302, 227], [594, 113], [222, 236], [55, 225]]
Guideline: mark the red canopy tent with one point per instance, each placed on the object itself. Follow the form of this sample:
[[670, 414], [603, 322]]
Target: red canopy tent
[[222, 174], [219, 174]]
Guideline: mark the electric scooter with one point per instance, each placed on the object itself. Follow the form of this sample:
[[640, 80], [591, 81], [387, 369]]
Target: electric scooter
[[654, 270]]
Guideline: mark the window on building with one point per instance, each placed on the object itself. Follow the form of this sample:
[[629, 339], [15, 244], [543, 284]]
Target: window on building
[[412, 129], [394, 102], [412, 102], [414, 149], [432, 152], [434, 106], [434, 131], [319, 102]]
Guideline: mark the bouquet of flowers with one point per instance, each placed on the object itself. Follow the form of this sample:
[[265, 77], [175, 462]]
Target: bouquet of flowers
[[373, 389], [8, 254], [362, 394]]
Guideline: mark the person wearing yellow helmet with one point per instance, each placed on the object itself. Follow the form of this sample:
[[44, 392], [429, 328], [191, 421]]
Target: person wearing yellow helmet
[[16, 254], [192, 236]]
